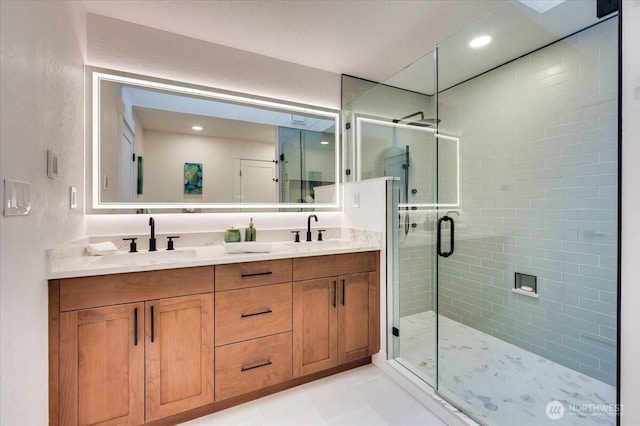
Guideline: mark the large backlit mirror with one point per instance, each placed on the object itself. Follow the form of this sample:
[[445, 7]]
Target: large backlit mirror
[[174, 147]]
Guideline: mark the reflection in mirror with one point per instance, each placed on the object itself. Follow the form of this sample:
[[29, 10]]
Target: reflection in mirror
[[164, 146], [401, 151]]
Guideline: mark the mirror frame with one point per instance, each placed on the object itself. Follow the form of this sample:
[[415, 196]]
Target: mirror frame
[[92, 175]]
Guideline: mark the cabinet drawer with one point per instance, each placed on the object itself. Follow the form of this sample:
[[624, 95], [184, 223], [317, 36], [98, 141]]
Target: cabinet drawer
[[106, 290], [252, 274], [305, 268], [252, 365], [252, 312]]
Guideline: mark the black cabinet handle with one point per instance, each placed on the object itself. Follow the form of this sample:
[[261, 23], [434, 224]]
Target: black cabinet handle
[[153, 325], [253, 314], [135, 327], [253, 367], [439, 236], [335, 293], [343, 293], [256, 274]]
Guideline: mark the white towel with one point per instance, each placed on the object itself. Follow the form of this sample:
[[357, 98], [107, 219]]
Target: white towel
[[102, 249]]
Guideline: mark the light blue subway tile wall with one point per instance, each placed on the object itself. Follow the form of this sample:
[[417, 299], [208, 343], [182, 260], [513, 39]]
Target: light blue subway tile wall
[[416, 277], [539, 196]]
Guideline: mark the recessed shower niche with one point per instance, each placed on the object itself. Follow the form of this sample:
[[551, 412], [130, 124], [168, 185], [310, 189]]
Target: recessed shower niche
[[527, 285]]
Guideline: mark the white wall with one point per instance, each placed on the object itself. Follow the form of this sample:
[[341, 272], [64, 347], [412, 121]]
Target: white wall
[[42, 107], [630, 377], [365, 207], [134, 48], [121, 224]]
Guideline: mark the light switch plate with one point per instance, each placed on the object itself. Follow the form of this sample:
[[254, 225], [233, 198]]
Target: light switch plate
[[72, 197], [52, 164], [17, 201]]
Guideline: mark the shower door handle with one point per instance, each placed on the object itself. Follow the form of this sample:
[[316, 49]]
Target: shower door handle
[[439, 236]]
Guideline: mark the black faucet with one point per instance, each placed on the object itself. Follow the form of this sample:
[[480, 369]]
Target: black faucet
[[309, 225], [152, 239]]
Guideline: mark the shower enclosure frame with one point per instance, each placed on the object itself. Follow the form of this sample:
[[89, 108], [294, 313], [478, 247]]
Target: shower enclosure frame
[[618, 289]]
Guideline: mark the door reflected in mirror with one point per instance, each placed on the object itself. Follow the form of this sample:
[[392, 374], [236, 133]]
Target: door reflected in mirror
[[248, 152]]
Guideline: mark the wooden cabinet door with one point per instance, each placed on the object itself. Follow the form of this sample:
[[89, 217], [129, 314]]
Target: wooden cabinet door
[[102, 366], [315, 346], [357, 316], [179, 359]]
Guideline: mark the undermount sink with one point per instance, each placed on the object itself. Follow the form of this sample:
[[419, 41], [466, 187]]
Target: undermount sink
[[315, 245], [148, 257]]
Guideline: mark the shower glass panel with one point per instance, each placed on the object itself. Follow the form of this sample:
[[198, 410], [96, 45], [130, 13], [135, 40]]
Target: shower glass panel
[[408, 153], [527, 303]]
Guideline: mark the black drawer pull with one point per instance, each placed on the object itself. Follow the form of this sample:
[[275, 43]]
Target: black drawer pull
[[253, 367], [253, 314], [335, 293], [256, 274], [153, 324]]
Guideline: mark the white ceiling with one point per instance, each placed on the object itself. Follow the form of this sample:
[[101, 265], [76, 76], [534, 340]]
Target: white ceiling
[[371, 39], [515, 28]]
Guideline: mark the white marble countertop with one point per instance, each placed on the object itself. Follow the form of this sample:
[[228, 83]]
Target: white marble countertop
[[122, 261]]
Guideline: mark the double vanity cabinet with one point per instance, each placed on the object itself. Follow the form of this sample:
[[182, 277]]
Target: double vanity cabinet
[[164, 346]]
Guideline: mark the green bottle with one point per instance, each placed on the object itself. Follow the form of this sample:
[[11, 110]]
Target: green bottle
[[250, 232]]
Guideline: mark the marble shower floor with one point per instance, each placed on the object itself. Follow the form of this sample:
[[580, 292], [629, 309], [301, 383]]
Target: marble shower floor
[[496, 382]]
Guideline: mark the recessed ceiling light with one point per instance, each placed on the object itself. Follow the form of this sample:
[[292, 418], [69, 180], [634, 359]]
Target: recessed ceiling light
[[197, 128], [324, 143], [480, 41]]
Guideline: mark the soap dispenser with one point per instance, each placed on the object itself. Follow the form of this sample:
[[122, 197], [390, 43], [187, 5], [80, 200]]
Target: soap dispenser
[[250, 232]]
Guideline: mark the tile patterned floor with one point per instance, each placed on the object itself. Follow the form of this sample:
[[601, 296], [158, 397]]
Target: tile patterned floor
[[360, 397], [495, 381]]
